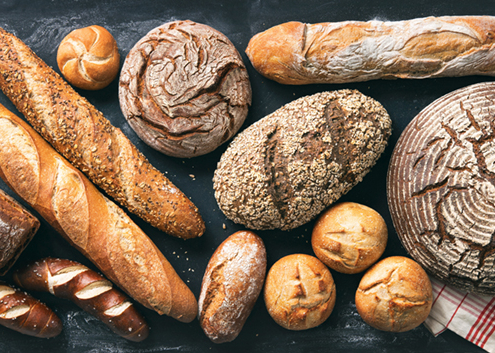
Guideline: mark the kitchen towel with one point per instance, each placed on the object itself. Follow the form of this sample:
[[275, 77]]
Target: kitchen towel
[[471, 316]]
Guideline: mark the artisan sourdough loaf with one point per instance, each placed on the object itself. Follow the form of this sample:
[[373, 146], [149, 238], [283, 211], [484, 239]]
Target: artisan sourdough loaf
[[17, 228], [297, 53], [184, 89], [286, 168], [78, 131], [441, 190], [89, 221]]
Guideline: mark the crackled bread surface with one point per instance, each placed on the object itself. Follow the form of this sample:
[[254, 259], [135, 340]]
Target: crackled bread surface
[[184, 89], [441, 190]]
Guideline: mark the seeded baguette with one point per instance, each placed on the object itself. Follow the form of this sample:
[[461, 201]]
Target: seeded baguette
[[296, 53], [22, 313], [87, 289], [89, 221], [286, 168], [81, 133]]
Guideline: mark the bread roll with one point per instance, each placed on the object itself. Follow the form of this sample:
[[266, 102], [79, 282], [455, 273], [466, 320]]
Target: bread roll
[[90, 222], [394, 295], [184, 89], [286, 168], [349, 237], [440, 188], [82, 134], [89, 58], [296, 53], [299, 292], [231, 285], [17, 228]]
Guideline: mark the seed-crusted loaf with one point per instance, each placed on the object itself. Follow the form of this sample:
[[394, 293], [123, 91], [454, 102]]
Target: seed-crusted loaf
[[283, 170]]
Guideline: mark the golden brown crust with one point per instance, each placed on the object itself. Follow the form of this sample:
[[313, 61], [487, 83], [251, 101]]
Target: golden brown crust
[[297, 53], [231, 285], [394, 295], [349, 237], [77, 130], [89, 58], [89, 221], [299, 292]]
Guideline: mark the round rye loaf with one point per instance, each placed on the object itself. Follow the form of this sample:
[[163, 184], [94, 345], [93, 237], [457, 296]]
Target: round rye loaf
[[441, 190], [286, 168]]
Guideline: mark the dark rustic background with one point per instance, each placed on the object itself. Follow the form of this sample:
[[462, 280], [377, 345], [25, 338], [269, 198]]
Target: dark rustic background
[[43, 24]]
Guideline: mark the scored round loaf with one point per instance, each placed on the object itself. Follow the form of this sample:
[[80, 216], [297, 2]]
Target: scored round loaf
[[299, 292], [349, 237], [394, 295], [184, 89], [89, 58], [441, 190], [231, 285], [286, 168]]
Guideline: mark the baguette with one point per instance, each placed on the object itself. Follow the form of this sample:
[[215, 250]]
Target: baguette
[[82, 135], [89, 221], [296, 53], [23, 313], [87, 289]]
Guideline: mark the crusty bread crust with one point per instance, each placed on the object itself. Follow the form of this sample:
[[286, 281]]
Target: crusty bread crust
[[78, 131], [89, 221], [297, 53]]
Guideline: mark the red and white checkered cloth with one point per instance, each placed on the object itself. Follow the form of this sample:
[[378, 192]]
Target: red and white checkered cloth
[[471, 316]]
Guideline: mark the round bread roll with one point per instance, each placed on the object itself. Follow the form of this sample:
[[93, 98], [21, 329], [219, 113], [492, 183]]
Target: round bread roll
[[286, 168], [349, 237], [184, 89], [89, 58], [394, 295], [441, 188], [299, 292]]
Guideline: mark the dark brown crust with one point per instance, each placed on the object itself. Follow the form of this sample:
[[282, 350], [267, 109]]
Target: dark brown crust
[[81, 133], [39, 321], [286, 168], [17, 228], [439, 187], [231, 285], [193, 108], [35, 276]]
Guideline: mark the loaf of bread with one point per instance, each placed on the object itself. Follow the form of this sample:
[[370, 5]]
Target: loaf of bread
[[349, 237], [89, 221], [440, 188], [89, 58], [184, 89], [82, 134], [22, 313], [297, 53], [87, 289], [394, 295], [286, 168], [299, 292], [17, 228], [231, 285]]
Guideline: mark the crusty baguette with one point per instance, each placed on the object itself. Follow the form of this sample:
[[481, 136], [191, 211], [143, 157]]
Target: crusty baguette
[[81, 133], [87, 289], [22, 313], [89, 221], [297, 53]]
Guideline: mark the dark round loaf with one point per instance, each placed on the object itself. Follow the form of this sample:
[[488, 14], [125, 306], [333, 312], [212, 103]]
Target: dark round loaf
[[286, 168], [441, 190], [184, 89]]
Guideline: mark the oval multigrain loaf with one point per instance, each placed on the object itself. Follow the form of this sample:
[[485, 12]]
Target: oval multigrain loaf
[[283, 170]]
